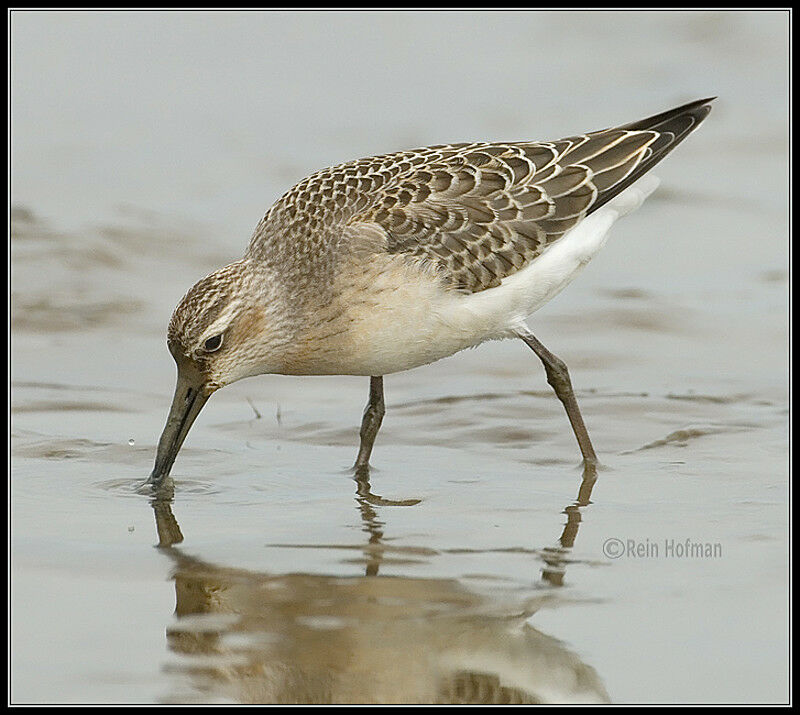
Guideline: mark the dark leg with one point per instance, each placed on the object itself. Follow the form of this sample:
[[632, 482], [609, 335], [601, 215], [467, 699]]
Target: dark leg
[[558, 377], [371, 423]]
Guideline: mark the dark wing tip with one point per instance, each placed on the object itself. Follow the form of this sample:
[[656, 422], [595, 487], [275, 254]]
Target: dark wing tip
[[673, 126], [698, 109]]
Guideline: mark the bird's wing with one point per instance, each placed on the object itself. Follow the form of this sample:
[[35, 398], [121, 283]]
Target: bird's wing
[[489, 210], [479, 212]]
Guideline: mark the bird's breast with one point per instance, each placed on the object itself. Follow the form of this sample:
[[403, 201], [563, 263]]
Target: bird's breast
[[386, 315]]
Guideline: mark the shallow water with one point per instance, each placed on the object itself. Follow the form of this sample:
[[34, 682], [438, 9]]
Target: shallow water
[[473, 566]]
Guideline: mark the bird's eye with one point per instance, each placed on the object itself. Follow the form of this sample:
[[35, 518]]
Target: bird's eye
[[213, 344]]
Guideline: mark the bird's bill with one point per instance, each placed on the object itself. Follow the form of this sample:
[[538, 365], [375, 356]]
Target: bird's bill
[[190, 396]]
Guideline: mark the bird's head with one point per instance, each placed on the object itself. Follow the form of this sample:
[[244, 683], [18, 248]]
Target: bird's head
[[223, 330]]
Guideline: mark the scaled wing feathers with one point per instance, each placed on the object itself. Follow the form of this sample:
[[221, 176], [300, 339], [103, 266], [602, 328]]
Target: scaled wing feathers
[[480, 212]]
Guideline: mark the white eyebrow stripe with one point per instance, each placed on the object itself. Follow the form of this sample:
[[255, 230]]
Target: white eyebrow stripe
[[221, 324]]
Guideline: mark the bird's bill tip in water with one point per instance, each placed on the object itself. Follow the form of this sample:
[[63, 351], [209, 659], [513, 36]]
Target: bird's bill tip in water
[[190, 396]]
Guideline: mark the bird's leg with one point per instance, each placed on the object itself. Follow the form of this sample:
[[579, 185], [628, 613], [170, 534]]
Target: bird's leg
[[371, 423], [558, 378]]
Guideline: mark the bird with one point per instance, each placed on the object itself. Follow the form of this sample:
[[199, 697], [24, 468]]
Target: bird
[[390, 262]]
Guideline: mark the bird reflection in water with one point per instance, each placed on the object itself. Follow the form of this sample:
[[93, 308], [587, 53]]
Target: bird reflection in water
[[367, 501], [556, 557], [251, 637]]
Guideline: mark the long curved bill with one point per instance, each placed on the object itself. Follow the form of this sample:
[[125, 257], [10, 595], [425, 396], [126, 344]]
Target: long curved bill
[[189, 399]]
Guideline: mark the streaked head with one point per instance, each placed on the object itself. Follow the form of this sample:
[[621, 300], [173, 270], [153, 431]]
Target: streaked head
[[222, 330]]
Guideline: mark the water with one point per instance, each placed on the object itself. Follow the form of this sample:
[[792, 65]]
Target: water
[[473, 566]]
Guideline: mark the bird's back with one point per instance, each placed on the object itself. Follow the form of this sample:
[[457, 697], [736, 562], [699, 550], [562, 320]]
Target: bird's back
[[405, 258], [479, 212]]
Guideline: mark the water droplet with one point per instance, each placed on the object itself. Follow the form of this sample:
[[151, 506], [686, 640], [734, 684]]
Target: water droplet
[[131, 442]]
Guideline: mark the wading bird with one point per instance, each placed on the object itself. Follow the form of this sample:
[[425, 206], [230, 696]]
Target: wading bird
[[383, 264]]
